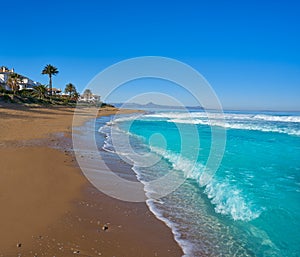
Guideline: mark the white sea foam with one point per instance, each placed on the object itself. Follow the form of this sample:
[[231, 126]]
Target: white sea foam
[[226, 198], [295, 119], [226, 116], [259, 122], [241, 126], [122, 119], [186, 246]]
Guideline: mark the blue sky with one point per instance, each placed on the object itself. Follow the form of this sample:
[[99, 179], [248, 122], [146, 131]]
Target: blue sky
[[249, 51]]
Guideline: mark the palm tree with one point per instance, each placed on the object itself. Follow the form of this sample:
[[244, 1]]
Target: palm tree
[[70, 89], [40, 91], [13, 81], [76, 96], [87, 93], [50, 70]]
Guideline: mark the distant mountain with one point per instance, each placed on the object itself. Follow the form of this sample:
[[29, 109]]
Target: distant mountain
[[151, 105]]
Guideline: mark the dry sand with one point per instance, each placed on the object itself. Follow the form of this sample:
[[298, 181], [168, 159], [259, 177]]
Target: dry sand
[[48, 208]]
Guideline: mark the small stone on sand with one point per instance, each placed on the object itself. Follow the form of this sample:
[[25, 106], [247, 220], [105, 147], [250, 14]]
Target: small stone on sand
[[105, 227]]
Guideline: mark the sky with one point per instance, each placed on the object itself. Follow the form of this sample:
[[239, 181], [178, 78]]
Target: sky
[[249, 51]]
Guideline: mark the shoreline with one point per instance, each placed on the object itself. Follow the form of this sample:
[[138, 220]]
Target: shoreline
[[184, 244], [76, 224]]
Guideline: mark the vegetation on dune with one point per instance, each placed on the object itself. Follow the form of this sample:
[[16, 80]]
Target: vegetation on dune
[[71, 90], [13, 81], [40, 91], [44, 94], [36, 96]]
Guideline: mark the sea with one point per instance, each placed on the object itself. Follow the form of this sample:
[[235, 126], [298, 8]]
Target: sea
[[250, 206]]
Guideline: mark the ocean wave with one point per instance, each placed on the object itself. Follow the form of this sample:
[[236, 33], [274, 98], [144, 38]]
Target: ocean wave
[[226, 116], [241, 126], [286, 124], [117, 119], [227, 198], [107, 145], [294, 119]]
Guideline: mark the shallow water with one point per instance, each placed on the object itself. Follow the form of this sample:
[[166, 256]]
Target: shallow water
[[251, 205]]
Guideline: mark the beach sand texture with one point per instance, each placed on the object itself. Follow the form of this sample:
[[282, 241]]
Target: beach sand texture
[[48, 208]]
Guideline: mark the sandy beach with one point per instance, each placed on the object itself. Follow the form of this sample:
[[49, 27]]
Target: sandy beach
[[48, 208]]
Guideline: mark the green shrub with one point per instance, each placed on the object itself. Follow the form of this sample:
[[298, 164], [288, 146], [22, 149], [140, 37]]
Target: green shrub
[[6, 98], [25, 93], [4, 91]]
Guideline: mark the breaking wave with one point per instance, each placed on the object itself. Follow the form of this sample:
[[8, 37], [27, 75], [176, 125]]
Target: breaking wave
[[226, 198]]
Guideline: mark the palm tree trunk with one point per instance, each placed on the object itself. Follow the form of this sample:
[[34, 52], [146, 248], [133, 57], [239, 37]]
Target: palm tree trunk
[[50, 84]]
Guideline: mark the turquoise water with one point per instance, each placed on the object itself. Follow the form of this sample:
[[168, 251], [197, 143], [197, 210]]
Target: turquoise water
[[251, 206]]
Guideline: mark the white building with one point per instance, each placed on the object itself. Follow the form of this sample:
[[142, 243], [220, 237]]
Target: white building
[[89, 98], [25, 83], [4, 74]]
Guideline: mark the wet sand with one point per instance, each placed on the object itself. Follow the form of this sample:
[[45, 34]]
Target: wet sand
[[48, 208]]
